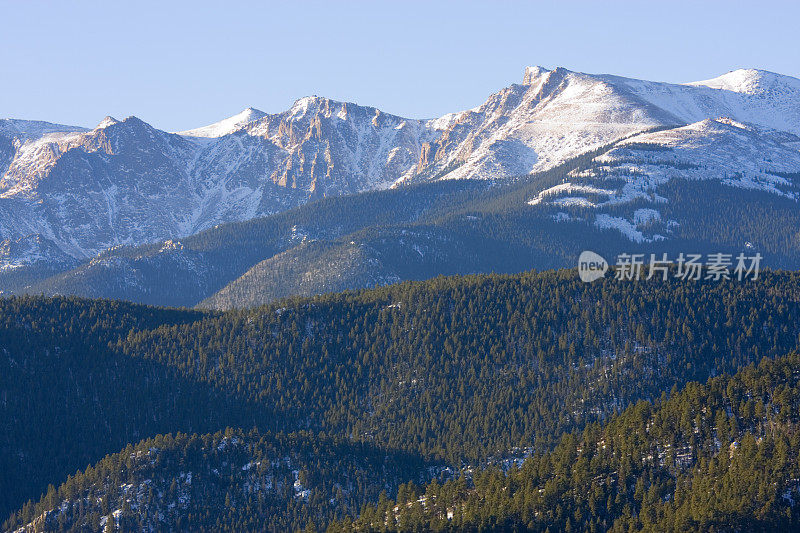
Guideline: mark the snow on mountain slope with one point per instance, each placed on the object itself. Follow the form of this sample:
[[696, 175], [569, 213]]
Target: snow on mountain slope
[[738, 154], [14, 133], [31, 129], [129, 183], [754, 96], [557, 114], [753, 82], [339, 147], [552, 116], [119, 183], [226, 126], [628, 176]]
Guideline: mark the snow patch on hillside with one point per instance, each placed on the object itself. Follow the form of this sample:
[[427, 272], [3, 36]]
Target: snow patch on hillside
[[624, 226]]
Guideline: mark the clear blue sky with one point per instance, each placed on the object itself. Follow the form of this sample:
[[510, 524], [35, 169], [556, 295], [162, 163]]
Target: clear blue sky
[[179, 65]]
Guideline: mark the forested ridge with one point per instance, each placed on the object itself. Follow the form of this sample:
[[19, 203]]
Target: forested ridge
[[463, 368], [227, 481], [720, 456], [452, 371]]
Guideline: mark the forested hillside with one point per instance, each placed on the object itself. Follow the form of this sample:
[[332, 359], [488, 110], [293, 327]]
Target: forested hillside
[[721, 456], [66, 399], [463, 368], [453, 370], [228, 481]]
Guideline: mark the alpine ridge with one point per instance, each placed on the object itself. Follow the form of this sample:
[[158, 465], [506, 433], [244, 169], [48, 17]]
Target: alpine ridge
[[68, 194]]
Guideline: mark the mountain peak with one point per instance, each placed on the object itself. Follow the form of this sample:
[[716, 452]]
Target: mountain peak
[[249, 114], [302, 105], [532, 73], [133, 119], [106, 122], [751, 81], [226, 126]]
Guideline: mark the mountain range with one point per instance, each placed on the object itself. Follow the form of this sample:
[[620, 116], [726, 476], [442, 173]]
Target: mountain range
[[333, 195]]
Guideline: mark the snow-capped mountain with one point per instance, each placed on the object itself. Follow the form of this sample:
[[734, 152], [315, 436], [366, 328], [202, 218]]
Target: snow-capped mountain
[[226, 126], [125, 182], [556, 114], [626, 179], [68, 193]]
